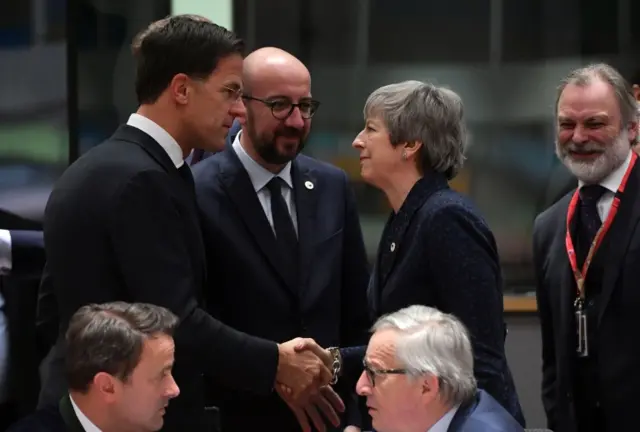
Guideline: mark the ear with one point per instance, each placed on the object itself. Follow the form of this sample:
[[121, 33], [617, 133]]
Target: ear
[[180, 89], [636, 91], [106, 385], [633, 131], [430, 388], [412, 148]]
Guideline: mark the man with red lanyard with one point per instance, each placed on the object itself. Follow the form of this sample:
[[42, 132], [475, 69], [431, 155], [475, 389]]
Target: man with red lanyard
[[587, 260]]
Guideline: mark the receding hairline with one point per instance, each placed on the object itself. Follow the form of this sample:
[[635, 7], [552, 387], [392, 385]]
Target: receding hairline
[[260, 63]]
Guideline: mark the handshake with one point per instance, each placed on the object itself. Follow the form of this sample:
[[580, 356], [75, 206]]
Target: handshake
[[305, 370]]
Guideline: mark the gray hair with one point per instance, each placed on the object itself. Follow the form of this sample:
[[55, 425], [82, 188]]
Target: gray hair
[[414, 111], [435, 343], [585, 76], [110, 338]]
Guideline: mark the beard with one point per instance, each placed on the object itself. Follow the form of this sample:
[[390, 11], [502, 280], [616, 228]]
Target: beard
[[266, 145], [594, 171]]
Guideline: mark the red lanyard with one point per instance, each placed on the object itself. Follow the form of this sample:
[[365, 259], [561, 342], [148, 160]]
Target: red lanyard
[[597, 240]]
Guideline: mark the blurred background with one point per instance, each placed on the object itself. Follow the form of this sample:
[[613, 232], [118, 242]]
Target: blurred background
[[66, 83]]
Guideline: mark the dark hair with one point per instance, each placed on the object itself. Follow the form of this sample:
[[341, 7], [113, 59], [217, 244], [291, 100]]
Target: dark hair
[[188, 44], [109, 338]]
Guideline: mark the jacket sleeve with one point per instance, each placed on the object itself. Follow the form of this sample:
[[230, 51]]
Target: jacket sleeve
[[146, 235]]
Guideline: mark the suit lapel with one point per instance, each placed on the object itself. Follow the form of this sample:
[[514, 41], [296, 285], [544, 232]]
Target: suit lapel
[[241, 192], [395, 230], [69, 415], [616, 241], [305, 194], [156, 152]]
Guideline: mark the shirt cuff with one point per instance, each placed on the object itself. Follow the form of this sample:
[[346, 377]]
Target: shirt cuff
[[5, 252]]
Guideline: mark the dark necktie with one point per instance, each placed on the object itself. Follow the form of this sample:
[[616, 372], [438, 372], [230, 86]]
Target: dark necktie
[[185, 173], [590, 221], [283, 226]]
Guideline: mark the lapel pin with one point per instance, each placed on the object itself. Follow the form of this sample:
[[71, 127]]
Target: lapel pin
[[308, 185]]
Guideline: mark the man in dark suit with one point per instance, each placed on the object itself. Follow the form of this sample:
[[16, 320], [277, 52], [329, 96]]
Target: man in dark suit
[[21, 262], [119, 361], [285, 237], [418, 375], [122, 224], [590, 350]]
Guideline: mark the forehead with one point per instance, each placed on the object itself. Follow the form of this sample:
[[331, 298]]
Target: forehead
[[592, 99], [157, 351], [381, 351], [282, 81], [228, 70]]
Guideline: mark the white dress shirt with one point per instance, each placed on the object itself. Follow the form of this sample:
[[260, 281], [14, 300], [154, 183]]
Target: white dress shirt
[[162, 137], [87, 424], [260, 177], [442, 425], [611, 183]]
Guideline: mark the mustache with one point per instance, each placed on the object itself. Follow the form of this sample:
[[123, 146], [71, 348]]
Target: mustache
[[589, 147], [289, 132]]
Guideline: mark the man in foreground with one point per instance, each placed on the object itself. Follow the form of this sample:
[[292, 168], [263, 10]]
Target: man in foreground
[[119, 359], [419, 377]]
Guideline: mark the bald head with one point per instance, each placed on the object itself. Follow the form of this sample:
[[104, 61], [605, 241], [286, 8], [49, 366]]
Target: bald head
[[271, 66]]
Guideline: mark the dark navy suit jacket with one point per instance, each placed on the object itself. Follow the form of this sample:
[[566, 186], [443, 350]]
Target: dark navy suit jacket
[[483, 414], [439, 252], [251, 292]]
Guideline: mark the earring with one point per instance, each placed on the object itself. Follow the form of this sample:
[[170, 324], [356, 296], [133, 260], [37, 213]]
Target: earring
[[404, 154]]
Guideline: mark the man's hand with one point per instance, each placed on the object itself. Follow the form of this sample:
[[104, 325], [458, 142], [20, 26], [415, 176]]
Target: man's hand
[[327, 400], [311, 345], [301, 371]]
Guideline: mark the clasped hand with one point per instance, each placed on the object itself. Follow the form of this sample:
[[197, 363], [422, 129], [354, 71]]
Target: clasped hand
[[303, 377]]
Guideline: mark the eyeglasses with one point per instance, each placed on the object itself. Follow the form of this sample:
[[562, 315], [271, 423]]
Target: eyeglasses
[[282, 108], [371, 372], [232, 95]]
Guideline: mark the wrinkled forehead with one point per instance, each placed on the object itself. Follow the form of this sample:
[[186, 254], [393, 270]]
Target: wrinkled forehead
[[594, 99], [381, 352]]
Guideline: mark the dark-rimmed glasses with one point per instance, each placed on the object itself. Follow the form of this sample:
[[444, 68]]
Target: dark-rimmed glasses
[[372, 372], [281, 108]]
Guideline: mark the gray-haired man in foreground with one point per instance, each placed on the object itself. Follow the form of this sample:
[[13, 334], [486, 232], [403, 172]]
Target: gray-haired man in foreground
[[418, 376]]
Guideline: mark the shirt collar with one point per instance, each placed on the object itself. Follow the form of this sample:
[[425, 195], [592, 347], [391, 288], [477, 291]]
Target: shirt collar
[[613, 180], [87, 424], [442, 425], [161, 136], [259, 175]]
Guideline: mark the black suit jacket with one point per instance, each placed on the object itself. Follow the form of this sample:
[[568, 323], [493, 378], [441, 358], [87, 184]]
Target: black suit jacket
[[251, 292], [439, 252], [617, 339], [58, 417], [122, 224]]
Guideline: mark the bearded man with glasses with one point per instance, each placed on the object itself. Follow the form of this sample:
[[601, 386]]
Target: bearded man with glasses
[[283, 235]]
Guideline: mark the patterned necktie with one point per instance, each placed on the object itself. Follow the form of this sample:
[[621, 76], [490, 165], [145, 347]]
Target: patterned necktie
[[590, 221]]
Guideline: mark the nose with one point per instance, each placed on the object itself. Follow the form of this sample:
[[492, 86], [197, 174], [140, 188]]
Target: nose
[[363, 386], [357, 142], [295, 120], [579, 135], [238, 109], [172, 389]]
